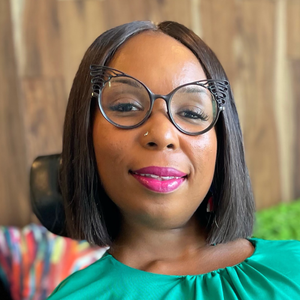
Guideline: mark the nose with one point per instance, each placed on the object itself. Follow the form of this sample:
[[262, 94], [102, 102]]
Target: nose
[[158, 132]]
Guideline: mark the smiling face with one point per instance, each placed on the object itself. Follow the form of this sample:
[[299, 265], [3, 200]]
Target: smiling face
[[184, 164]]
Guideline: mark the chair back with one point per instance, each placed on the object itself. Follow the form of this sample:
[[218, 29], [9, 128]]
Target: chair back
[[45, 195]]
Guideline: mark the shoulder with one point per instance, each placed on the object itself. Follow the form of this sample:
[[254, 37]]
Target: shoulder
[[279, 256], [277, 248], [80, 280]]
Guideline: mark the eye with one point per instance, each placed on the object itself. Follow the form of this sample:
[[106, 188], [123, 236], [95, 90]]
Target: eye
[[193, 114], [125, 107], [121, 102]]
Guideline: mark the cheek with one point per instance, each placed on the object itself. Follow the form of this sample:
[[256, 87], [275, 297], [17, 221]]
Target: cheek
[[109, 147], [203, 153]]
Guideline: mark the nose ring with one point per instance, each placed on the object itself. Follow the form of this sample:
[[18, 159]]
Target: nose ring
[[145, 134]]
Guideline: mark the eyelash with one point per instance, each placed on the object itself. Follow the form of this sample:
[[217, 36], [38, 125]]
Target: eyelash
[[200, 115]]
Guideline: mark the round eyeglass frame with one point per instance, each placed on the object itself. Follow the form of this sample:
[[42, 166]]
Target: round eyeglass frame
[[103, 74]]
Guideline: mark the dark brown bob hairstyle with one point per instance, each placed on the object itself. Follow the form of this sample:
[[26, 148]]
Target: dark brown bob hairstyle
[[90, 214]]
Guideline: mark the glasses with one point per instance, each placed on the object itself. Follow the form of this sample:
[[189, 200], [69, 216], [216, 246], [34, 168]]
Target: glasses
[[127, 103]]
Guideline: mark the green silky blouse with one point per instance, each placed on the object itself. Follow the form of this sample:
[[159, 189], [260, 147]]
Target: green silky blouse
[[271, 273]]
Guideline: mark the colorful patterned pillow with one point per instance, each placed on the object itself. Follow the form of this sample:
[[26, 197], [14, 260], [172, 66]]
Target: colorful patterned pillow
[[33, 261]]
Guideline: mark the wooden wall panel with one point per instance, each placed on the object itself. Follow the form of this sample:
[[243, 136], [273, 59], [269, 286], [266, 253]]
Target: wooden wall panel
[[81, 22], [42, 83], [283, 101], [260, 130], [14, 197], [293, 54], [219, 31], [41, 39], [44, 103], [295, 65], [293, 29]]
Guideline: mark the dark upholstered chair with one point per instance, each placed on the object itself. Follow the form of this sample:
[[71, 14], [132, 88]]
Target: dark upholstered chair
[[46, 198], [4, 293]]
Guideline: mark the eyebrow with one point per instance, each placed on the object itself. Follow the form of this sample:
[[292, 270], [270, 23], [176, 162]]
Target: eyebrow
[[192, 89], [129, 81]]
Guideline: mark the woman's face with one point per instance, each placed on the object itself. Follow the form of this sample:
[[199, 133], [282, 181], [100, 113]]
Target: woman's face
[[162, 64]]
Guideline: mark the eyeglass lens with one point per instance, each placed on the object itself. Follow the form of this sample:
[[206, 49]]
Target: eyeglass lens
[[126, 102]]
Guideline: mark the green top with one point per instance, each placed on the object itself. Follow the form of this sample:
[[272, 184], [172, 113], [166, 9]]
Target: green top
[[272, 272]]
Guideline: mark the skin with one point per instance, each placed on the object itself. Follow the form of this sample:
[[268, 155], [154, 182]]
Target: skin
[[160, 233]]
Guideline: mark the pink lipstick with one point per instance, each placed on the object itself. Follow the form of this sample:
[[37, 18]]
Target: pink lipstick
[[159, 179]]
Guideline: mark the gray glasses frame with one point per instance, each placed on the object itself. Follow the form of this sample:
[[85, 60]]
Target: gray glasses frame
[[102, 74]]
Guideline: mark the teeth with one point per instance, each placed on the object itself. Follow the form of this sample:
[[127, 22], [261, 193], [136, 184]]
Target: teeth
[[158, 177], [152, 176], [168, 177]]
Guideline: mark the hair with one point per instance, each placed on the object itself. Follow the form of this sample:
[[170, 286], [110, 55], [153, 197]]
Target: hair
[[90, 214]]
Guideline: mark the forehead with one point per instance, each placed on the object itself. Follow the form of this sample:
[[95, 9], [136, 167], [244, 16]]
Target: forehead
[[158, 60]]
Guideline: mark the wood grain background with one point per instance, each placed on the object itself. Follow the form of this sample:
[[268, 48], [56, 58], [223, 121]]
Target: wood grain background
[[42, 43]]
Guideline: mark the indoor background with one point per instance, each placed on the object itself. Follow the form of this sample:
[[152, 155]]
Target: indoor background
[[43, 41]]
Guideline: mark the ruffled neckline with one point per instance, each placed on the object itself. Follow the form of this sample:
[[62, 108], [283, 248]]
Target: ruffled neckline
[[127, 268]]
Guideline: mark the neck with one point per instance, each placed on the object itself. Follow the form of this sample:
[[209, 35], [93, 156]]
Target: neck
[[143, 243]]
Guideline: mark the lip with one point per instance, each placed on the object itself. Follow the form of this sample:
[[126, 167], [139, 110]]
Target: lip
[[160, 171], [160, 183]]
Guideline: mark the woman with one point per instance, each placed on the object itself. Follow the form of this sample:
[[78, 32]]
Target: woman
[[154, 168]]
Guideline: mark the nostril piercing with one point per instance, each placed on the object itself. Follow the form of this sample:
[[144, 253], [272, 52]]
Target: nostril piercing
[[146, 133]]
